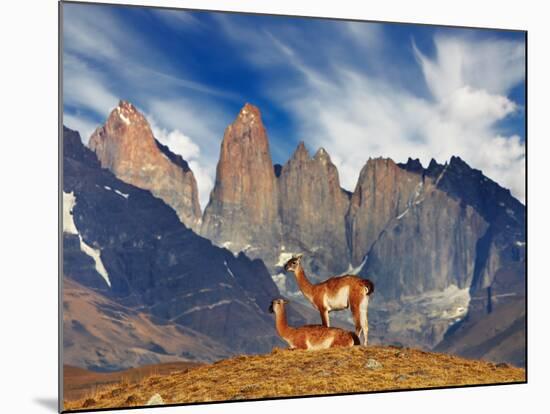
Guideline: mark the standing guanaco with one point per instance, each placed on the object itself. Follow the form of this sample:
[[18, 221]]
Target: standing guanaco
[[336, 293]]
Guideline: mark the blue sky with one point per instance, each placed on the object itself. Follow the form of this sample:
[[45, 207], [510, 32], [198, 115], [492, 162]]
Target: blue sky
[[357, 89]]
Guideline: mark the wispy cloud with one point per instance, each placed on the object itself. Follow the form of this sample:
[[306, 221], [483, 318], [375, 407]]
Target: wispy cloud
[[85, 87], [359, 92], [84, 125], [203, 167], [356, 113], [179, 20], [492, 65], [106, 59], [194, 130]]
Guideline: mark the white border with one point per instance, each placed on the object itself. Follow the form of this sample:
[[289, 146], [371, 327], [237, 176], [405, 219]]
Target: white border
[[29, 203]]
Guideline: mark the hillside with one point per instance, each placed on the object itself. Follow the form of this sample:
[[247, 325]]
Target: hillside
[[101, 335], [77, 382], [285, 373]]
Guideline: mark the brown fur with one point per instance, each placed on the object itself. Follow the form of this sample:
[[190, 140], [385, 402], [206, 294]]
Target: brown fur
[[321, 294], [309, 336]]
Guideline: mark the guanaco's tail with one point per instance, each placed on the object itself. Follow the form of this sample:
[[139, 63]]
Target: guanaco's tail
[[369, 286]]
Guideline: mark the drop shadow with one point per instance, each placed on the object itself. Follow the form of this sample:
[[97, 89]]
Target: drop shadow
[[49, 403]]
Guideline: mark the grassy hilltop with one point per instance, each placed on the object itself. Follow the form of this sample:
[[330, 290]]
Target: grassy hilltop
[[286, 373]]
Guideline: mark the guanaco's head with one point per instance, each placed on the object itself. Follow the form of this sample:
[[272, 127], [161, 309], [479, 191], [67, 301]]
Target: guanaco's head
[[277, 305], [293, 263]]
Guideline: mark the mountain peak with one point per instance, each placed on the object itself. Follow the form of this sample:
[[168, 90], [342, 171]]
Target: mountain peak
[[322, 155], [126, 113], [245, 177], [126, 146], [301, 152], [249, 114], [380, 162], [412, 165]]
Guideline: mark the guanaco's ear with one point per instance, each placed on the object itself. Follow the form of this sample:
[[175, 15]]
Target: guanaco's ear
[[299, 256]]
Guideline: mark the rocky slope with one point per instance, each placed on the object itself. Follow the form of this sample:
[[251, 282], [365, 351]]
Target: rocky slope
[[101, 335], [497, 336], [126, 146], [130, 247]]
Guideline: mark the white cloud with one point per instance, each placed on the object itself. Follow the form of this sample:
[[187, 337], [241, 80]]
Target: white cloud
[[356, 115], [205, 175], [367, 35], [468, 105], [177, 19], [99, 35], [178, 142], [85, 88], [184, 121], [81, 124], [181, 144], [488, 64]]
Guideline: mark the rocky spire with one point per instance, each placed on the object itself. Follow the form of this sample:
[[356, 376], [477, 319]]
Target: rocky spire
[[243, 204], [313, 207], [126, 146], [382, 193]]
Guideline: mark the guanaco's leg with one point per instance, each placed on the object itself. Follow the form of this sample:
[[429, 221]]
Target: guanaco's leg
[[363, 313], [324, 317], [356, 312]]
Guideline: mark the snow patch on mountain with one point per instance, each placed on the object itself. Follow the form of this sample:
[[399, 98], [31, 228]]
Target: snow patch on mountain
[[120, 193], [413, 313], [69, 227], [228, 269], [280, 281], [355, 270]]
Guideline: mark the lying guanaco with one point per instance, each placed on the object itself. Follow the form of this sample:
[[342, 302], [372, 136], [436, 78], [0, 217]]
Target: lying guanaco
[[310, 337], [336, 293]]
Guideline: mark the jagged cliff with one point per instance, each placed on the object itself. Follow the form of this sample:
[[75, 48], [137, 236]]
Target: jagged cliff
[[126, 146], [312, 209], [243, 205]]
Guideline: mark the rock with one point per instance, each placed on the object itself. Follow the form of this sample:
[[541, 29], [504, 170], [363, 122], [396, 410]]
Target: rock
[[116, 392], [401, 378], [382, 193], [90, 402], [132, 399], [155, 400], [242, 210], [373, 364], [401, 262], [126, 146], [312, 209]]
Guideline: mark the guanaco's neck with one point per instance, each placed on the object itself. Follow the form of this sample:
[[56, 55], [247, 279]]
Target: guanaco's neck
[[281, 324], [305, 286]]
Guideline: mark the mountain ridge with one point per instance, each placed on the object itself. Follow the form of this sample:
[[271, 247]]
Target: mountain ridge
[[387, 229]]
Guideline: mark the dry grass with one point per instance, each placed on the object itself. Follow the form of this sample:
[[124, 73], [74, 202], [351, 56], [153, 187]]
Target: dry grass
[[286, 373], [80, 383]]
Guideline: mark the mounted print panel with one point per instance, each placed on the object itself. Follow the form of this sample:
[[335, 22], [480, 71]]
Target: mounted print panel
[[261, 206]]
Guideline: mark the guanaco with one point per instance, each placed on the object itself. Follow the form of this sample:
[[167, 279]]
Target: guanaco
[[310, 337], [336, 293]]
